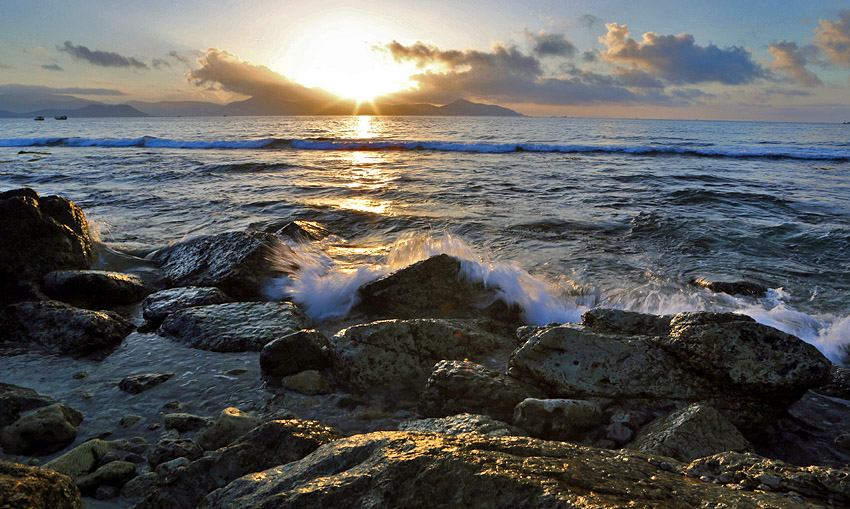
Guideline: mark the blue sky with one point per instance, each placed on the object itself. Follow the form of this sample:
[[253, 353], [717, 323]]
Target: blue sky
[[728, 60]]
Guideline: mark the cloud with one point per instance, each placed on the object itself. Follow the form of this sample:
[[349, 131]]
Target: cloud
[[791, 60], [546, 44], [52, 67], [632, 77], [17, 88], [225, 70], [833, 37], [159, 63], [589, 21], [101, 58], [589, 56], [677, 59]]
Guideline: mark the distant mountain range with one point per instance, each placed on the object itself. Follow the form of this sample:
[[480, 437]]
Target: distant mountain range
[[48, 105]]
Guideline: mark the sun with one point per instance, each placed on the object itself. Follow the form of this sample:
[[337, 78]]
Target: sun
[[339, 54]]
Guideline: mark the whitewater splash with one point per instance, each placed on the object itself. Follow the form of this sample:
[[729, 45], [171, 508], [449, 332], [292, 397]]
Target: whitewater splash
[[327, 290]]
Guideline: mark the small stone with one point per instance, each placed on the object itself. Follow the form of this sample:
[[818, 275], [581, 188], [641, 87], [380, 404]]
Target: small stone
[[106, 492], [309, 382], [114, 474], [139, 383], [230, 425], [296, 352], [130, 420], [183, 422], [80, 375], [164, 469], [170, 448], [173, 405], [154, 425], [140, 486]]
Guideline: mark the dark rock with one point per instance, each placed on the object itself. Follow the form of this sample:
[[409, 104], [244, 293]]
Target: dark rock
[[157, 306], [271, 444], [401, 353], [172, 448], [310, 382], [234, 327], [24, 487], [106, 492], [744, 288], [135, 384], [456, 387], [58, 327], [303, 231], [404, 469], [557, 419], [239, 263], [14, 400], [463, 423], [838, 385], [43, 431], [40, 235], [231, 424], [626, 322], [95, 289], [116, 473], [618, 433], [80, 460], [140, 486], [299, 351], [185, 422]]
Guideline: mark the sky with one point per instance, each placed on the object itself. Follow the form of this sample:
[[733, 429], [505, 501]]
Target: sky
[[727, 60]]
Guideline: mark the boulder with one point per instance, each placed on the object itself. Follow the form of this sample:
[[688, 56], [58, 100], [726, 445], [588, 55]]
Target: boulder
[[745, 288], [14, 400], [140, 486], [95, 289], [630, 323], [136, 384], [157, 306], [43, 431], [167, 468], [22, 487], [273, 443], [296, 352], [80, 460], [58, 327], [230, 425], [457, 386], [303, 231], [557, 419], [172, 448], [183, 422], [404, 469], [40, 235], [234, 327], [462, 423], [309, 382], [690, 433], [401, 353], [239, 263], [838, 384], [116, 473]]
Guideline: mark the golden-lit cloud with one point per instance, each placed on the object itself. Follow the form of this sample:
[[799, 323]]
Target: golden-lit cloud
[[791, 60], [833, 37]]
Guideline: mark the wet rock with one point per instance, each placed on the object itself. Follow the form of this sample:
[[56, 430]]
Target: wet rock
[[557, 419], [234, 327], [818, 484], [115, 474], [296, 352], [136, 384], [435, 287], [172, 448], [58, 327], [230, 425], [456, 387], [463, 423], [183, 422], [690, 433], [403, 469], [24, 487], [745, 288], [14, 400], [130, 420], [40, 235], [80, 460], [401, 353], [838, 385], [273, 443], [303, 231], [157, 306], [43, 431], [95, 289], [309, 382], [239, 263]]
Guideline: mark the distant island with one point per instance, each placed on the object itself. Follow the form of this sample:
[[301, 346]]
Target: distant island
[[51, 105]]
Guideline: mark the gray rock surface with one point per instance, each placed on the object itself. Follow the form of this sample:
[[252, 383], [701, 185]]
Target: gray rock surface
[[240, 263], [80, 460], [462, 423], [14, 400], [838, 385], [116, 473], [173, 448], [231, 424], [690, 433], [43, 431], [745, 288], [296, 352], [557, 419], [24, 487], [235, 326], [95, 289], [157, 306], [135, 384], [402, 353], [140, 486], [183, 422], [310, 382]]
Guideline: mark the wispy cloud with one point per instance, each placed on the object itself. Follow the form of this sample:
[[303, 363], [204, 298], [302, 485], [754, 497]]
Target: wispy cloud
[[17, 88], [101, 58], [833, 37], [791, 60], [52, 67]]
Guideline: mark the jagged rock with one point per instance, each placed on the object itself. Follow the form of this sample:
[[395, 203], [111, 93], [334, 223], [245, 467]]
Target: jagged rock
[[14, 400], [239, 263], [80, 460], [456, 387], [404, 469], [230, 425], [58, 327], [557, 419], [462, 423], [838, 385], [273, 443], [435, 287], [116, 473], [745, 288], [296, 352], [172, 448], [303, 231], [23, 487], [234, 327], [626, 322], [183, 422], [43, 431], [135, 384], [95, 289], [40, 235], [818, 484], [166, 468], [309, 382], [690, 433], [157, 306], [401, 353], [140, 486]]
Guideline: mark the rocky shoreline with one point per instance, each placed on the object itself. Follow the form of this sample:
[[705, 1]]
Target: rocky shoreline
[[432, 392]]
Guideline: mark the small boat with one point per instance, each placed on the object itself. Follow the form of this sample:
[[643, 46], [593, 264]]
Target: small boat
[[38, 118], [61, 117]]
